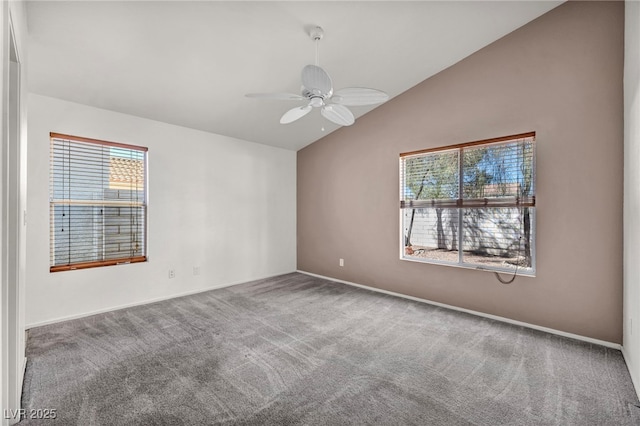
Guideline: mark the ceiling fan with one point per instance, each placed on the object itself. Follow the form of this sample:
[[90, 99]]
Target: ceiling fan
[[317, 90]]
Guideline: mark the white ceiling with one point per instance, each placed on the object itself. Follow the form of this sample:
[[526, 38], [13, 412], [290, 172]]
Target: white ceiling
[[190, 63]]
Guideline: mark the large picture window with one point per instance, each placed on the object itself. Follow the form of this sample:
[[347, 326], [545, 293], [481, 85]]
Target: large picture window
[[97, 203], [471, 204]]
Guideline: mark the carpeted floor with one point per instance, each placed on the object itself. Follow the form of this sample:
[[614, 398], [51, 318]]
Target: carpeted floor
[[295, 349]]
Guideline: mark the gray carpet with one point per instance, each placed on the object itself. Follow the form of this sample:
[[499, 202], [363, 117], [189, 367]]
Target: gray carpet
[[301, 350]]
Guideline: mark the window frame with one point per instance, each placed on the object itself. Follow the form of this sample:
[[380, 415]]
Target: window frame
[[461, 205], [53, 202]]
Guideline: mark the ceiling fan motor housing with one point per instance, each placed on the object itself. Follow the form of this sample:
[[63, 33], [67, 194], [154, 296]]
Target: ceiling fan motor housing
[[316, 101]]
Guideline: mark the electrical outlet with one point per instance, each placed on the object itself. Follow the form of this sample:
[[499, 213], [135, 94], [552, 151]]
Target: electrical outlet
[[196, 270], [172, 273], [341, 262]]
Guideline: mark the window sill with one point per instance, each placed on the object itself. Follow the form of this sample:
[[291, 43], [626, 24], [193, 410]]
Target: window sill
[[87, 265]]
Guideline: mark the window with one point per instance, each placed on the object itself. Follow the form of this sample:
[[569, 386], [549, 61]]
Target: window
[[471, 205], [97, 203]]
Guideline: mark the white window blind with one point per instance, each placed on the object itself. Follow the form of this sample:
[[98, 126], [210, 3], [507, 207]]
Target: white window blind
[[98, 203], [471, 204]]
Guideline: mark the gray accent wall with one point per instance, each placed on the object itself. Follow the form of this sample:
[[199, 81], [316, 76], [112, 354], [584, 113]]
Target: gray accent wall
[[560, 76]]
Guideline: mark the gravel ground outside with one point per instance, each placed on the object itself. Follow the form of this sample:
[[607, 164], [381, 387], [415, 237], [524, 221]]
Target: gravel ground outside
[[444, 255]]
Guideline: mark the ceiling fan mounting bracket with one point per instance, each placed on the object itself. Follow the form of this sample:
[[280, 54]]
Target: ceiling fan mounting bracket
[[316, 33]]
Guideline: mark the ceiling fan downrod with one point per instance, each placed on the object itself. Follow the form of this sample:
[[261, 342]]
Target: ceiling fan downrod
[[316, 35]]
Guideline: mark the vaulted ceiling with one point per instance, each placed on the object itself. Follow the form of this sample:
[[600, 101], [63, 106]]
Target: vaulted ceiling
[[191, 63]]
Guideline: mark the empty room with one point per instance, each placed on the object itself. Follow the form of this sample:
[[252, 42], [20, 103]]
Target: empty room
[[320, 212]]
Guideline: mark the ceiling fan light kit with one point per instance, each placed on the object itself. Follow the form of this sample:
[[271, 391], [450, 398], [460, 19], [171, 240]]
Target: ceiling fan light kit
[[317, 90]]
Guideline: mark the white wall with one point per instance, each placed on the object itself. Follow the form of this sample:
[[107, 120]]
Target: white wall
[[223, 204], [631, 339]]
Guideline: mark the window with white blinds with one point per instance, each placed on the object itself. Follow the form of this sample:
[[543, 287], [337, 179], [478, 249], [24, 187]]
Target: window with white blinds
[[97, 203], [471, 204]]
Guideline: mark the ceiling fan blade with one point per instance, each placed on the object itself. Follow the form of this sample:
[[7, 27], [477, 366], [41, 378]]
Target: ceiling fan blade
[[339, 114], [276, 96], [294, 114], [316, 80], [355, 96]]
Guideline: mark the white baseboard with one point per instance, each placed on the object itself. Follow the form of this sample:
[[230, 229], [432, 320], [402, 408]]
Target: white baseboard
[[480, 314], [417, 299], [145, 302], [636, 384]]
